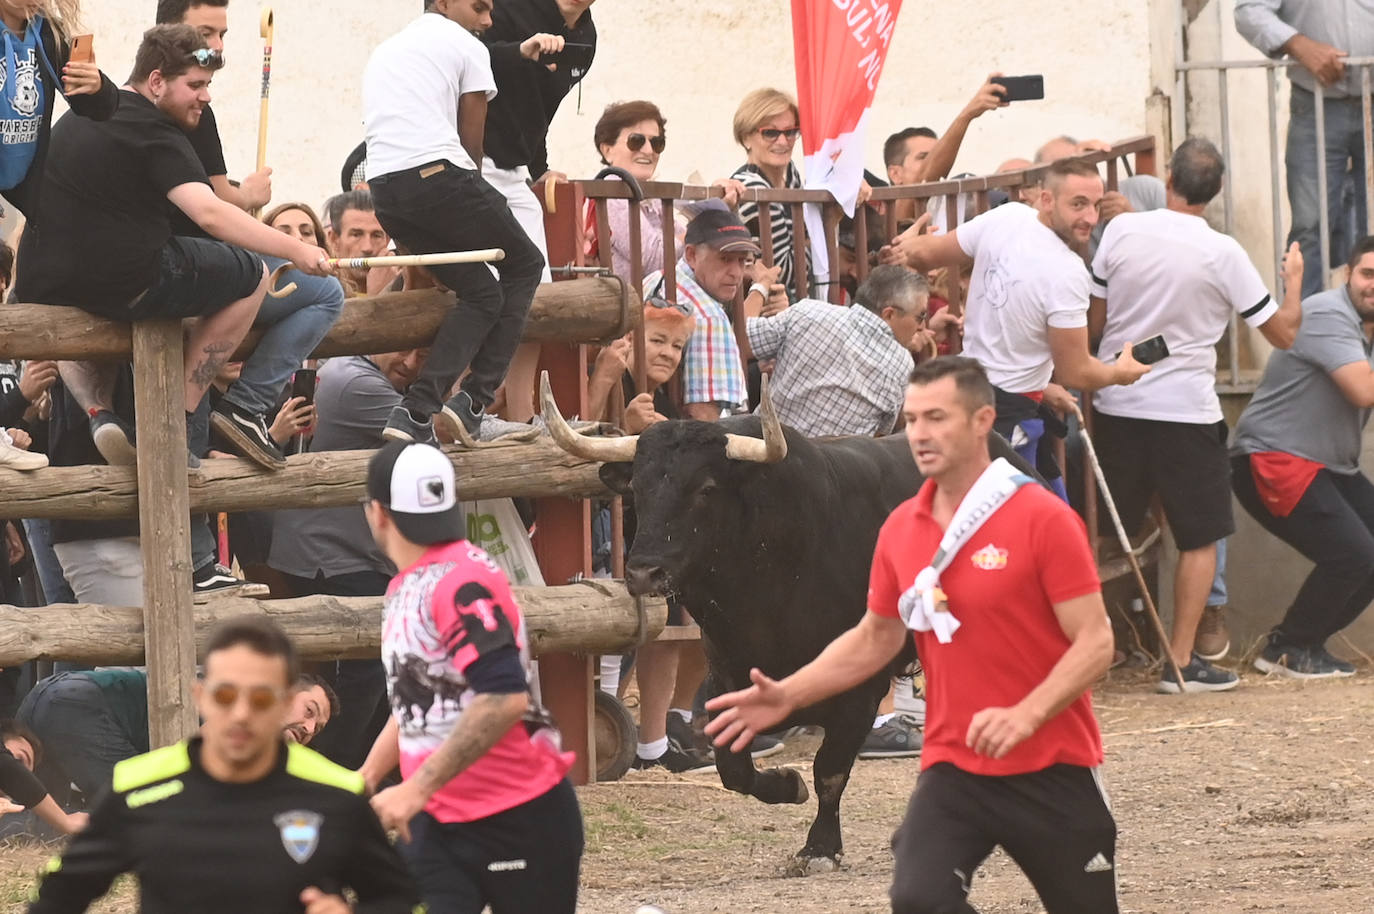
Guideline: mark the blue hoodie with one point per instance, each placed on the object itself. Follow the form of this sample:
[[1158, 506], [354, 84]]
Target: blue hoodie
[[24, 93]]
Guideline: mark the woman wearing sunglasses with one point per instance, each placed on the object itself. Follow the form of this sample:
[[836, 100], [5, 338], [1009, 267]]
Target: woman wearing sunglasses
[[767, 125], [630, 137]]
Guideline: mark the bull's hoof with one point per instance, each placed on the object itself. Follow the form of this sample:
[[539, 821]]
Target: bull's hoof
[[780, 785], [802, 865]]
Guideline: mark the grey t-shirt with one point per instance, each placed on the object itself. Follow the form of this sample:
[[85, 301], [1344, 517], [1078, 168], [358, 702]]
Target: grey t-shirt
[[1298, 409], [352, 402]]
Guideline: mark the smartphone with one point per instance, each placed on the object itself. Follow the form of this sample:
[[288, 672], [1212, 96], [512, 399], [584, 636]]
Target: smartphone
[[83, 49], [1147, 352], [1021, 88], [303, 384]]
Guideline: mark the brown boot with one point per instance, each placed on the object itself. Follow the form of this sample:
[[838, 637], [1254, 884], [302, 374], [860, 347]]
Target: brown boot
[[1212, 640]]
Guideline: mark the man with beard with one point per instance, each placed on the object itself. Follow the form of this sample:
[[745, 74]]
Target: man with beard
[[1027, 314], [104, 198], [1295, 468]]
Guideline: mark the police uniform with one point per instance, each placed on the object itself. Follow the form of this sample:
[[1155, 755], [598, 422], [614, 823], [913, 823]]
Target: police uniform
[[203, 845]]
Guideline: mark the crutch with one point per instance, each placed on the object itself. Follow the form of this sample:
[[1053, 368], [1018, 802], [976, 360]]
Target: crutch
[[267, 30], [486, 255], [1126, 546]]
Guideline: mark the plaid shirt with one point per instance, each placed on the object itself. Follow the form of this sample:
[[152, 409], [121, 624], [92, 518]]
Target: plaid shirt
[[838, 370], [712, 371]]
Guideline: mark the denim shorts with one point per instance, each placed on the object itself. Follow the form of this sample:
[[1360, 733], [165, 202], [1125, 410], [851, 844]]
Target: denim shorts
[[196, 277]]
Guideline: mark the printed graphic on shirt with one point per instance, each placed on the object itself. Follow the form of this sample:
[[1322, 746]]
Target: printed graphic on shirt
[[300, 832], [990, 558], [21, 91], [997, 283]]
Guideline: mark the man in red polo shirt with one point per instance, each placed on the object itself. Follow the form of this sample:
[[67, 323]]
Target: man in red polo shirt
[[998, 584]]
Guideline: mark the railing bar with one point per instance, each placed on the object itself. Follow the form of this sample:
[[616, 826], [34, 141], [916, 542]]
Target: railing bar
[[1325, 222], [1228, 217], [799, 251], [1274, 189], [1365, 92]]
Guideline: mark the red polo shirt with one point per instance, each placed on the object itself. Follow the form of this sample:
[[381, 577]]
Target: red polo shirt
[[1001, 586]]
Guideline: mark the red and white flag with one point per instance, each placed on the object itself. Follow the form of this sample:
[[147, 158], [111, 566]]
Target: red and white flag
[[840, 48]]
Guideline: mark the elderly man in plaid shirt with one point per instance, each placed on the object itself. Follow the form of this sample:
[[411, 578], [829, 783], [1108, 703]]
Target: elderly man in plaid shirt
[[716, 259], [843, 371]]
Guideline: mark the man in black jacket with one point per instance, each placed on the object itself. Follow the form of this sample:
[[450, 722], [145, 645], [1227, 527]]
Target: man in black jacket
[[236, 819]]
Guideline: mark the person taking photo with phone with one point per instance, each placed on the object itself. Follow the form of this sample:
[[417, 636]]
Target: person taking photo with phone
[[1168, 271]]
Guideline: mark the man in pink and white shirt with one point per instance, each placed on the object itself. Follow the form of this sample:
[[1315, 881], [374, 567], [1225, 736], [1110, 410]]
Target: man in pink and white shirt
[[485, 812]]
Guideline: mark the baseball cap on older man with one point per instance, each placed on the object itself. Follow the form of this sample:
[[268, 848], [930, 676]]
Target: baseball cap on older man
[[721, 229]]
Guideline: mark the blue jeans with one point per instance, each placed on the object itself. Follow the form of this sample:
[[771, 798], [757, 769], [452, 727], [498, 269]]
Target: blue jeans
[[203, 539], [54, 583], [294, 326], [1344, 145], [1218, 595]]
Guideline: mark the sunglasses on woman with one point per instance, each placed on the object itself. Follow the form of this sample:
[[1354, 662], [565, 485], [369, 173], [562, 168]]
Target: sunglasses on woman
[[635, 142], [772, 134]]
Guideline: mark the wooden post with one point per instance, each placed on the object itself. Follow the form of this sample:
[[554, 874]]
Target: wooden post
[[164, 526]]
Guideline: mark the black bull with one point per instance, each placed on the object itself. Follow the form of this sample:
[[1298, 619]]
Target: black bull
[[772, 560]]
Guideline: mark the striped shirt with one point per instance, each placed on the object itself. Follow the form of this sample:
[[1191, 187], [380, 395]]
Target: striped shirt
[[712, 371], [1347, 25], [838, 370], [780, 213]]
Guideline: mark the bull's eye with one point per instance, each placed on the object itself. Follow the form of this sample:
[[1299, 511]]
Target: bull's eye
[[706, 490]]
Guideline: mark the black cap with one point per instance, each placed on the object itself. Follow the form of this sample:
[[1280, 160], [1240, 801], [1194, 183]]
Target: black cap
[[722, 230], [417, 486]]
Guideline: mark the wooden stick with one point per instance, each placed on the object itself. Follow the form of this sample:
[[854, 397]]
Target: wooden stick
[[1126, 548], [267, 30], [486, 255]]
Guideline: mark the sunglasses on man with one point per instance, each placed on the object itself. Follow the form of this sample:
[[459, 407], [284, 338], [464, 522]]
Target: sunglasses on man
[[658, 301], [772, 134], [635, 142], [260, 698], [205, 57]]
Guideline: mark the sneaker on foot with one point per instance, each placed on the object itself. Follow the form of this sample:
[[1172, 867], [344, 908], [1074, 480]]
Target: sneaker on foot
[[765, 745], [895, 739], [677, 760], [402, 426], [248, 435], [1198, 676], [215, 578], [460, 416], [17, 458], [1297, 662], [114, 439], [1212, 640], [687, 736]]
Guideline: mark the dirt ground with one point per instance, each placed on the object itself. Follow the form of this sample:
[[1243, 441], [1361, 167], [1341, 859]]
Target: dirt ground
[[1254, 800]]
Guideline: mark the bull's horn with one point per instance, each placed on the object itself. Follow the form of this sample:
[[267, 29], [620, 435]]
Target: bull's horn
[[772, 448], [604, 450]]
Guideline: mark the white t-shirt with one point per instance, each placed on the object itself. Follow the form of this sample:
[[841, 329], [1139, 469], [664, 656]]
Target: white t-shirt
[[1025, 281], [1171, 273], [411, 88]]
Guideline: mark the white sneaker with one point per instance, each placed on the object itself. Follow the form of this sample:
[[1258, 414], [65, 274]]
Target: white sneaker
[[16, 459]]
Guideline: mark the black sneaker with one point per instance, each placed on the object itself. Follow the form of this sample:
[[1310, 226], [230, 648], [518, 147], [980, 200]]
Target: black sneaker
[[460, 416], [247, 434], [114, 439], [402, 426], [687, 736], [1198, 676], [215, 578], [1300, 662], [677, 760], [895, 739]]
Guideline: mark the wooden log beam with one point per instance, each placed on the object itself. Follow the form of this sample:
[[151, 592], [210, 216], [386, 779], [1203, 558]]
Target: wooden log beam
[[323, 480], [591, 617], [165, 522], [577, 311]]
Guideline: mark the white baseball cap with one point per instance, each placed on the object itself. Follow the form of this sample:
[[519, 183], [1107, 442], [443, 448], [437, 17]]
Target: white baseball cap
[[416, 484]]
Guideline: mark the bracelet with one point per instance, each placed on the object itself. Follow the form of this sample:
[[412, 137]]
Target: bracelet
[[760, 288]]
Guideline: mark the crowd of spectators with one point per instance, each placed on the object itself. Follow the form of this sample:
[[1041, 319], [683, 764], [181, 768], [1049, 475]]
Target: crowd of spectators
[[1048, 290]]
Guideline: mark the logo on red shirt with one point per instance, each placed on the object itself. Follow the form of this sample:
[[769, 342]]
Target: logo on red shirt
[[990, 558]]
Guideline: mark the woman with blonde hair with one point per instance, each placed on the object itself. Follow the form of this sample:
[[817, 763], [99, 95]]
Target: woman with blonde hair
[[41, 32], [767, 124]]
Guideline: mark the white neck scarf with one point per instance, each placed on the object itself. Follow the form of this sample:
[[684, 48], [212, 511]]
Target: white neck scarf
[[923, 607]]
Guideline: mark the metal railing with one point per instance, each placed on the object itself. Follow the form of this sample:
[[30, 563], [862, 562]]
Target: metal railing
[[1223, 70]]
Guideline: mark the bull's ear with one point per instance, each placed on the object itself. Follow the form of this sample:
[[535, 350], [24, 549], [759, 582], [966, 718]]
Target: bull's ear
[[617, 477]]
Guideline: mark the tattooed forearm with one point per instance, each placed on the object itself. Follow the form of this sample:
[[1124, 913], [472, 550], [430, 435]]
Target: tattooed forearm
[[483, 723], [214, 355]]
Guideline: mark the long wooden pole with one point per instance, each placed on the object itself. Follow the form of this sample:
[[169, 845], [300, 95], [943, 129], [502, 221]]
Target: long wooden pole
[[267, 30], [164, 525], [486, 255]]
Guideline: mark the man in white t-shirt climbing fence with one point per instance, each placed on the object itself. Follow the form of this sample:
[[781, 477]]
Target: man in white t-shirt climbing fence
[[1166, 271], [425, 94], [1027, 314]]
